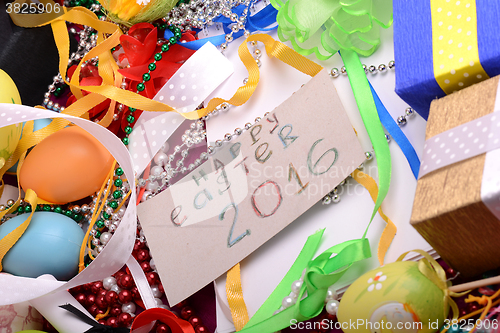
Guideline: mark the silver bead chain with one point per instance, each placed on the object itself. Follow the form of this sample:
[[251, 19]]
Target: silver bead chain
[[334, 195], [88, 40], [382, 68], [372, 69], [200, 13], [163, 169]]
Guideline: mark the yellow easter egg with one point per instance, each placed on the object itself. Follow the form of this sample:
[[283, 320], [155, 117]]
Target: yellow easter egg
[[9, 93], [66, 166], [9, 135], [394, 298]]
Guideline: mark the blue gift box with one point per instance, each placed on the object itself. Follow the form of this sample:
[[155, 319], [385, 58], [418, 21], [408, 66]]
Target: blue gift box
[[416, 48]]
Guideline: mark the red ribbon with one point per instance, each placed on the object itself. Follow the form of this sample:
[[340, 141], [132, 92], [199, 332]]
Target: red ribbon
[[176, 324], [139, 48]]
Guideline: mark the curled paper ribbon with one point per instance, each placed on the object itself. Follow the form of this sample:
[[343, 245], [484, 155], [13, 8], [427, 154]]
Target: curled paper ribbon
[[108, 69], [117, 250], [333, 25]]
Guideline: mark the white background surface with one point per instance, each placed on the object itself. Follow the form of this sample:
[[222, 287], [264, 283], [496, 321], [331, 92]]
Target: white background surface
[[264, 269]]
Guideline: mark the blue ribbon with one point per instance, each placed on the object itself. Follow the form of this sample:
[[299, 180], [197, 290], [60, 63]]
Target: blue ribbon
[[392, 127], [258, 22]]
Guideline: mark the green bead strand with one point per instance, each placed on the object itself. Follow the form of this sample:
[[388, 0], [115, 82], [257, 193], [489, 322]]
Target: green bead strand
[[147, 76], [119, 172]]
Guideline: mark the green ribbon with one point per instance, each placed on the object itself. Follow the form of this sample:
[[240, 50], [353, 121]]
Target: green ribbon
[[368, 110], [321, 273], [333, 25], [345, 25]]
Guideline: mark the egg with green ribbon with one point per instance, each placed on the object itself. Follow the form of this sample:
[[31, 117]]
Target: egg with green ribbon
[[396, 297], [9, 135]]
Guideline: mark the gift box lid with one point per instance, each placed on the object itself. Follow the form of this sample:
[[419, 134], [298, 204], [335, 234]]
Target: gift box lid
[[417, 45]]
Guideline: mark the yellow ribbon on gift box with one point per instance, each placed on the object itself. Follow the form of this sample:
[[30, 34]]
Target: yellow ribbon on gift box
[[454, 44]]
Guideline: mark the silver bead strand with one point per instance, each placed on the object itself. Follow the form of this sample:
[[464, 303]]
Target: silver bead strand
[[372, 69], [402, 120]]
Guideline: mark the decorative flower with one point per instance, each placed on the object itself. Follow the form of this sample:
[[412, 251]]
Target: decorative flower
[[327, 26], [139, 48], [129, 12], [374, 283], [140, 43], [89, 76]]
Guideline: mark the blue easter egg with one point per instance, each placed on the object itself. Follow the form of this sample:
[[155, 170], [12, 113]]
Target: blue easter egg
[[50, 245]]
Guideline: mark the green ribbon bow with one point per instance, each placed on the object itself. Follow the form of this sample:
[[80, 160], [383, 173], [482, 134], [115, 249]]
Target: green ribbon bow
[[345, 25], [333, 25], [321, 273]]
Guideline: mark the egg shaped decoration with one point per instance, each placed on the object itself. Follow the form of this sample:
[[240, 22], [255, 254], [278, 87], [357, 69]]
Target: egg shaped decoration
[[394, 298], [9, 135], [50, 245], [8, 92], [66, 166]]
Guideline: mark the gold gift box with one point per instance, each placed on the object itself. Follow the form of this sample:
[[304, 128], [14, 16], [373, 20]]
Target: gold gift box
[[447, 210]]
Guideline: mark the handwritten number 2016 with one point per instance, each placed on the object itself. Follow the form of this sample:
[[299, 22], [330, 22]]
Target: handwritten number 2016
[[286, 140], [230, 241], [313, 168]]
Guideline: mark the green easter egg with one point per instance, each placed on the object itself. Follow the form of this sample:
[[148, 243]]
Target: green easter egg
[[394, 298]]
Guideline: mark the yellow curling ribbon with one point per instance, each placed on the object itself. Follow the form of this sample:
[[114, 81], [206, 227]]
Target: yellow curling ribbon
[[100, 203], [235, 299], [7, 242], [454, 45], [110, 89], [390, 229]]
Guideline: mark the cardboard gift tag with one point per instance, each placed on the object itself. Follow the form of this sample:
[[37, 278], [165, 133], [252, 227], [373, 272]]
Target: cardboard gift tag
[[251, 189]]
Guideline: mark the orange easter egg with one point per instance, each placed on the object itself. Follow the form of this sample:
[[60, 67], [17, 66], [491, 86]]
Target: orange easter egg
[[66, 166]]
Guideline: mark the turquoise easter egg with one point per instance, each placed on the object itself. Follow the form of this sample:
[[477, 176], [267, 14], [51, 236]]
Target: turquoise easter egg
[[50, 245]]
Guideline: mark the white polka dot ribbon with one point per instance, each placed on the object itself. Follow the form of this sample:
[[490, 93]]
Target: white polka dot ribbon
[[455, 49], [460, 143], [490, 185], [15, 289], [195, 80], [476, 137]]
